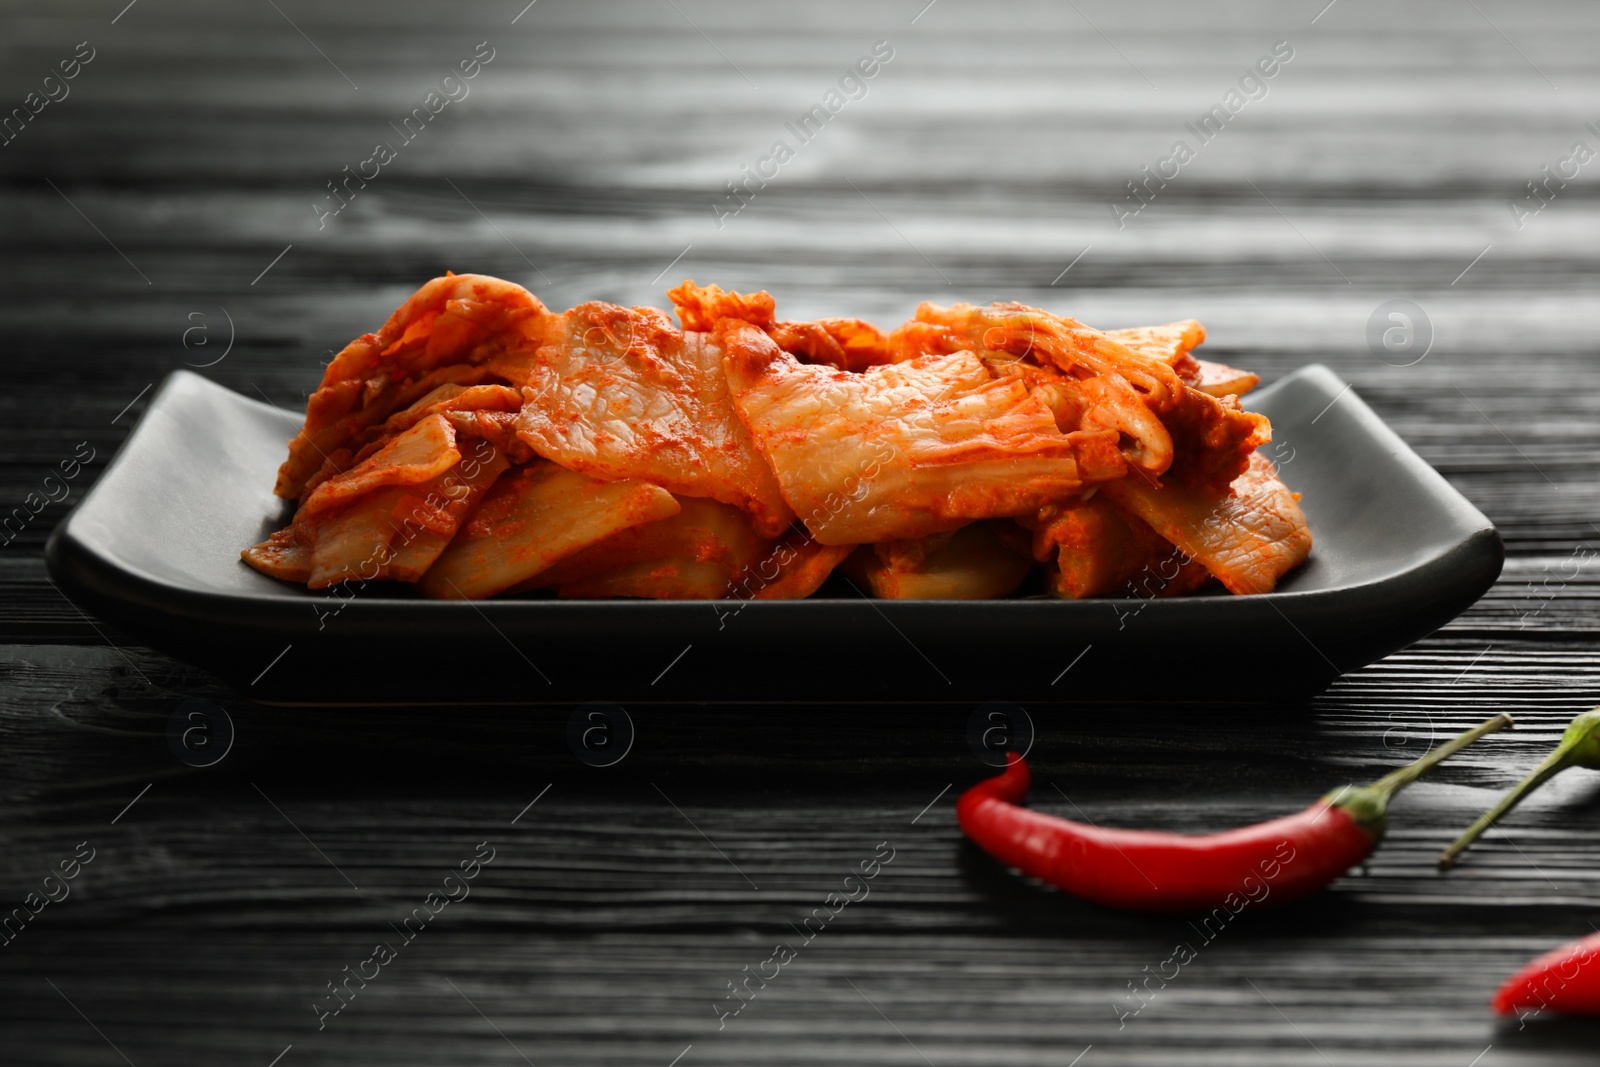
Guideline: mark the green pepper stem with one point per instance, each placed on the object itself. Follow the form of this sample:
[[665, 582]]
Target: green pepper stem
[[1579, 747], [1369, 805], [1396, 780]]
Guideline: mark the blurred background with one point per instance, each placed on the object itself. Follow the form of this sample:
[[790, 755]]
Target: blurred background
[[240, 188]]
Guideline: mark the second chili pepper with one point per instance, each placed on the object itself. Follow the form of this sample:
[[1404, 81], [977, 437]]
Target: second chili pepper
[[1279, 860], [1565, 980]]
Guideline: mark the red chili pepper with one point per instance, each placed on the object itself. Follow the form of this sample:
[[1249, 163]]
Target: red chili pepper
[[1279, 860], [1564, 980]]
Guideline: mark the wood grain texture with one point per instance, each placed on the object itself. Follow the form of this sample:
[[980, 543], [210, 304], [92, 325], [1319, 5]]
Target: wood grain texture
[[1381, 164]]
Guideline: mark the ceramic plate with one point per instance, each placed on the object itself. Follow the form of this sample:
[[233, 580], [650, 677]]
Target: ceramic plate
[[154, 548]]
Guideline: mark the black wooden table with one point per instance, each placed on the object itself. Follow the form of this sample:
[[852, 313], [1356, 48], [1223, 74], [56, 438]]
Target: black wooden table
[[170, 204]]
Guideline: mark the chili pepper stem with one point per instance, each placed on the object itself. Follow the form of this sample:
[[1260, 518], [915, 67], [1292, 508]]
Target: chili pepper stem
[[1579, 747], [1396, 780], [1368, 805]]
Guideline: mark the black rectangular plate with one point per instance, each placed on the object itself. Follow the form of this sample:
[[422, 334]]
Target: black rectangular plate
[[154, 548]]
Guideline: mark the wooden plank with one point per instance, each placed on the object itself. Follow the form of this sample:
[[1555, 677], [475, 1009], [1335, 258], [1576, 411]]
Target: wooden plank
[[984, 157]]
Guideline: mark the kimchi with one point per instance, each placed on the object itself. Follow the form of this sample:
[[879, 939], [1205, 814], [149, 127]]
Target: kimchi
[[480, 444]]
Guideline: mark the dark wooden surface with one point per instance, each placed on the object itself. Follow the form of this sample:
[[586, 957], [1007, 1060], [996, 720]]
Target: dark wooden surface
[[980, 163]]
